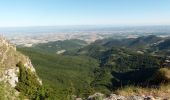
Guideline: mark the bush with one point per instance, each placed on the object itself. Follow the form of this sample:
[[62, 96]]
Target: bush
[[29, 85], [161, 76]]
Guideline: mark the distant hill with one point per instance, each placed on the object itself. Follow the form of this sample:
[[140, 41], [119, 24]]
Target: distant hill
[[103, 66], [164, 45], [66, 45], [145, 41], [142, 44]]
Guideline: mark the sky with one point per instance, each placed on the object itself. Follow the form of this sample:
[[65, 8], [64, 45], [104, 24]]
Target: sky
[[14, 13]]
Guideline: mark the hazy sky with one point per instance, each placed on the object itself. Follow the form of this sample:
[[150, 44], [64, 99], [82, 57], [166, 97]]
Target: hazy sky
[[84, 12]]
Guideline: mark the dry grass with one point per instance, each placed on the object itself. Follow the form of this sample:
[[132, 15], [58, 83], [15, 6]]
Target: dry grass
[[162, 91], [162, 76]]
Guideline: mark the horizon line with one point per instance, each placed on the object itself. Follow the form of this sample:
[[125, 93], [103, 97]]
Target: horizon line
[[83, 26]]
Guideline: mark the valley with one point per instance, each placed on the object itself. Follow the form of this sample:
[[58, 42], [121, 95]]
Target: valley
[[104, 66], [85, 50]]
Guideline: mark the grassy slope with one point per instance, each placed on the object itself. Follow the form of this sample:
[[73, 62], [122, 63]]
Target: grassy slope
[[62, 72]]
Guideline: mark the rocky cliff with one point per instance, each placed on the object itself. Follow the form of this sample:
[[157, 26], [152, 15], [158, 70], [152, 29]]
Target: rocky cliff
[[9, 58]]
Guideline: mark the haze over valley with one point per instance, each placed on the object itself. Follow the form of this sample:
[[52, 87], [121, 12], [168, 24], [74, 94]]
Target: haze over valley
[[28, 36]]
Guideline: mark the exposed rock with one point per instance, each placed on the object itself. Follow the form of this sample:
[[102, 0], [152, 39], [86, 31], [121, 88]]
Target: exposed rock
[[96, 95], [115, 97], [29, 65], [134, 97], [11, 76], [79, 99], [60, 52], [9, 58], [149, 98], [119, 97]]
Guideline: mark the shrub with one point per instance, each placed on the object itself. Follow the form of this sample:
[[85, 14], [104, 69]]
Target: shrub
[[29, 85], [161, 76], [7, 92]]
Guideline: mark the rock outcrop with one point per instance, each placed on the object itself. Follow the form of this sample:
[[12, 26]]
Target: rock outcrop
[[99, 96], [9, 58]]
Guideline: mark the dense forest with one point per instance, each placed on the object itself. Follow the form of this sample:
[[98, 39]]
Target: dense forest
[[103, 66]]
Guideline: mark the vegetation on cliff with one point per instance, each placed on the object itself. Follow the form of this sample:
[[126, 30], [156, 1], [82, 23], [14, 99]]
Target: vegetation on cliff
[[29, 85], [18, 79]]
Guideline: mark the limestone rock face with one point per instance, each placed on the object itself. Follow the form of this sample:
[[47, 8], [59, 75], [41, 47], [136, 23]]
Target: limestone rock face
[[9, 58], [11, 77], [99, 96]]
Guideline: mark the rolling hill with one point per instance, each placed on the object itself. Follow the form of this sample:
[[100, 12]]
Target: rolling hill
[[103, 66], [56, 46]]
